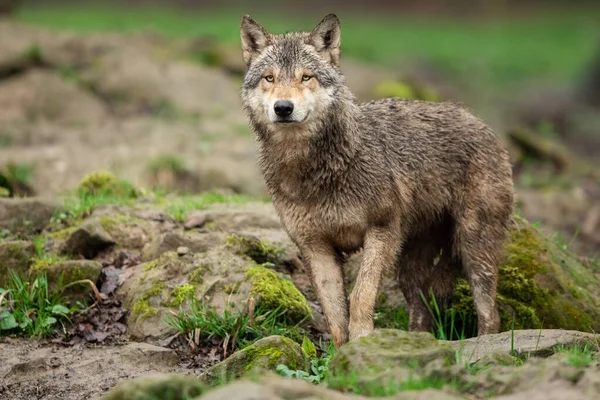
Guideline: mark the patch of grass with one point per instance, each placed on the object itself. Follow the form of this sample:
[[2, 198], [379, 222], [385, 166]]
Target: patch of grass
[[19, 172], [96, 189], [235, 329], [391, 317], [178, 207], [32, 308], [579, 356], [449, 324]]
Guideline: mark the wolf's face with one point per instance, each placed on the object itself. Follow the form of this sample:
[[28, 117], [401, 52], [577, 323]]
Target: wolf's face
[[290, 79]]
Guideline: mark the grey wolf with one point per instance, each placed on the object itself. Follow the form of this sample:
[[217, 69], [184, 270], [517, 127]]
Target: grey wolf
[[423, 188]]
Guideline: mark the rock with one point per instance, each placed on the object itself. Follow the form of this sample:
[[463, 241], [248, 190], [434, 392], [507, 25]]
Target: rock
[[533, 342], [15, 256], [386, 348], [135, 80], [539, 282], [26, 214], [272, 387], [147, 353], [271, 291], [182, 251], [87, 240], [163, 386], [70, 271], [264, 354], [43, 95], [173, 240], [195, 221]]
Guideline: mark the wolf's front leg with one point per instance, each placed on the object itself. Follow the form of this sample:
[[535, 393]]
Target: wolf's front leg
[[381, 248], [328, 281]]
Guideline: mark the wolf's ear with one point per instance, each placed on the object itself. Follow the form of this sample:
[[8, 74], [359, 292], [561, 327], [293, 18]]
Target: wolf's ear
[[254, 38], [326, 38]]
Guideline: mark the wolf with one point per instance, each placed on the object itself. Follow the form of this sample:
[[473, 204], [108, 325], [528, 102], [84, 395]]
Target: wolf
[[424, 189]]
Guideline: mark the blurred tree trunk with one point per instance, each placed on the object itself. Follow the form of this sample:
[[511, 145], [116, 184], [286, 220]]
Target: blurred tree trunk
[[591, 85], [7, 7]]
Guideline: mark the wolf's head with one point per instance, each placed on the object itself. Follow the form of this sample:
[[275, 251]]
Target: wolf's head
[[291, 79]]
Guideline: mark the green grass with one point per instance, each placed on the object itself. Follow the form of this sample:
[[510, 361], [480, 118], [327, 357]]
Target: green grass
[[579, 355], [32, 309], [178, 207], [501, 52], [391, 317], [235, 329]]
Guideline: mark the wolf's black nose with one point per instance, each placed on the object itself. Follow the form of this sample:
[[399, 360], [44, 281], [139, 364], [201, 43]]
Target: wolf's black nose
[[283, 108]]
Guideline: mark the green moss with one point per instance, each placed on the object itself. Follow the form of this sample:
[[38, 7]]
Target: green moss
[[533, 289], [62, 234], [273, 291], [232, 288], [180, 294], [141, 308], [197, 275], [105, 183], [258, 250], [163, 261]]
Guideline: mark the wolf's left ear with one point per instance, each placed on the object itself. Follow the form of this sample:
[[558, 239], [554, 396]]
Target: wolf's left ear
[[254, 38], [326, 38]]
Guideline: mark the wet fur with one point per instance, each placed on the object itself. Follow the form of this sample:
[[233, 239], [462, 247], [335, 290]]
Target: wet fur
[[402, 180]]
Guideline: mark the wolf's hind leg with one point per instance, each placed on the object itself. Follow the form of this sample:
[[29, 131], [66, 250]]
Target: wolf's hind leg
[[481, 244], [414, 274], [327, 278]]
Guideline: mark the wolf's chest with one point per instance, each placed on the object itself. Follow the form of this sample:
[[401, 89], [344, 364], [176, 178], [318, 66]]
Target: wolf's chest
[[343, 226]]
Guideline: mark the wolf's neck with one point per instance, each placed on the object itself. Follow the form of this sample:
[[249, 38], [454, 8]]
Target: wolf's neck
[[319, 158]]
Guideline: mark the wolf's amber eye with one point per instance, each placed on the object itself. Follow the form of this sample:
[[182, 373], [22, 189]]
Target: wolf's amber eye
[[306, 78], [269, 78]]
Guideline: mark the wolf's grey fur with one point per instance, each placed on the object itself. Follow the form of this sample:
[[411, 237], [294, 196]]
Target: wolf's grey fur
[[403, 180]]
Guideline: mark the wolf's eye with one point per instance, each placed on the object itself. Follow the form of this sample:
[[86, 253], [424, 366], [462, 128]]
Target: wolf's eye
[[306, 78], [269, 78]]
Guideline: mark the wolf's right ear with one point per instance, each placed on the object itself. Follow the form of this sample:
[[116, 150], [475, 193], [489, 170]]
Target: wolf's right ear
[[254, 38], [326, 38]]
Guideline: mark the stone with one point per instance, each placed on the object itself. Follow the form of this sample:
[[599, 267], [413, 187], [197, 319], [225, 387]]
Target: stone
[[533, 342], [264, 354], [182, 250], [147, 353], [387, 348], [157, 386], [26, 214], [87, 240], [70, 271], [15, 256], [173, 240]]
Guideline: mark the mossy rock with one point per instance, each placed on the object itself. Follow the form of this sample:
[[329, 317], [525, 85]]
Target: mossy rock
[[155, 387], [389, 348], [87, 240], [540, 285], [69, 271], [15, 256], [265, 354], [272, 291], [105, 183], [258, 250]]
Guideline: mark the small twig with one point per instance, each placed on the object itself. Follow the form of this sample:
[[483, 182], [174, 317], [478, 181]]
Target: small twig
[[92, 284], [251, 312], [225, 343]]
